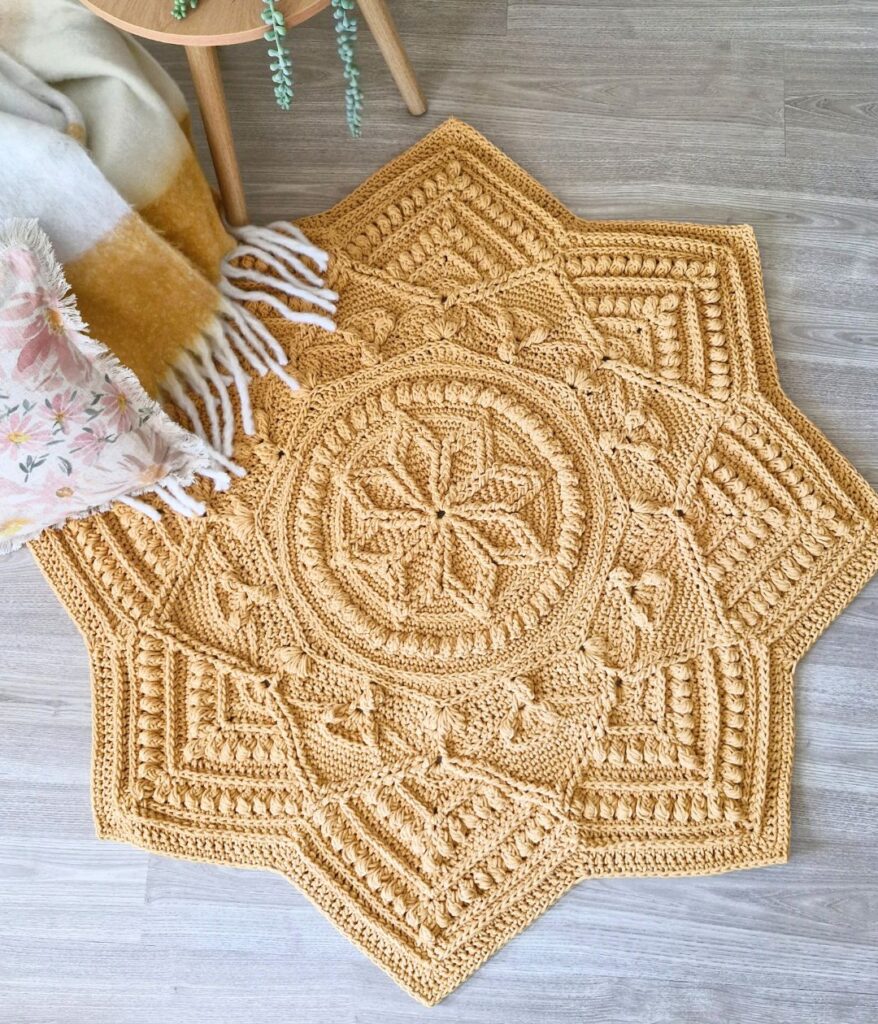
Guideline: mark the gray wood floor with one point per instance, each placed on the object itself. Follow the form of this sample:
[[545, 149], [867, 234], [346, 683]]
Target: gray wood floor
[[764, 111]]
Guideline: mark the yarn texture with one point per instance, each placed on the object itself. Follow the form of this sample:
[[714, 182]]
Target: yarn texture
[[512, 592]]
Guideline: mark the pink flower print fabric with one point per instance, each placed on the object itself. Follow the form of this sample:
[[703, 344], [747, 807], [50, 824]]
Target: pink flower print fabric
[[76, 429]]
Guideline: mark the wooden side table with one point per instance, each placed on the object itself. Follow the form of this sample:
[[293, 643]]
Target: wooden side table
[[216, 23]]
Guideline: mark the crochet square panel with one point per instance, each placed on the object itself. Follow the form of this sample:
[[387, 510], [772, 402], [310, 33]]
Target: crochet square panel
[[512, 592]]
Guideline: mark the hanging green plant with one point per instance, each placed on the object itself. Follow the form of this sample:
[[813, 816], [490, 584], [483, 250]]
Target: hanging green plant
[[281, 60], [346, 41], [182, 7]]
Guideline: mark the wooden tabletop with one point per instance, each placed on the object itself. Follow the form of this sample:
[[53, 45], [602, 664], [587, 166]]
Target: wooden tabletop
[[212, 23]]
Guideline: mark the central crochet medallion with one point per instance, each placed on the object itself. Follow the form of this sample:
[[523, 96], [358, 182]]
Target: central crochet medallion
[[511, 593], [448, 519]]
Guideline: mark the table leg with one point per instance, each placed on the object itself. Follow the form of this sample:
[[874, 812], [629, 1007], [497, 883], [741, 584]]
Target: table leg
[[204, 65], [383, 29]]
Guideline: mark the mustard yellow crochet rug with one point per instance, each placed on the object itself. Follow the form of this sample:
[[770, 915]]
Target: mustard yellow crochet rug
[[513, 589]]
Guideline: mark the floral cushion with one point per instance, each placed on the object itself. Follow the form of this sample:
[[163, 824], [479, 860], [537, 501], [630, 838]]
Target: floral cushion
[[77, 431]]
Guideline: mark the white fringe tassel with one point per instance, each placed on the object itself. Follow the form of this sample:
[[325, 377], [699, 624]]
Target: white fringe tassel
[[173, 495], [237, 337], [142, 507]]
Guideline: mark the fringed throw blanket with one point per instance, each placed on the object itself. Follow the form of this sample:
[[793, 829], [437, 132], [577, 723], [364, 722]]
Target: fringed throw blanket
[[94, 144], [511, 598]]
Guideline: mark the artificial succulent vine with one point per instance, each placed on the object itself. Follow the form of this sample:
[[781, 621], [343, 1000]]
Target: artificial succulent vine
[[280, 59], [281, 62], [182, 7], [346, 42]]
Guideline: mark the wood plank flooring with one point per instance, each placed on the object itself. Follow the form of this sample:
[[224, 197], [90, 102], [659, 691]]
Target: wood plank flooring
[[711, 110]]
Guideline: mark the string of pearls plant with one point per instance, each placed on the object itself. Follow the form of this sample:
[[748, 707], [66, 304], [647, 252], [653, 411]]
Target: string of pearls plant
[[281, 61]]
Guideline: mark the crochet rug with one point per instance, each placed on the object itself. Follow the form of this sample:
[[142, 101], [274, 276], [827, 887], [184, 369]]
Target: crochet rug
[[513, 589]]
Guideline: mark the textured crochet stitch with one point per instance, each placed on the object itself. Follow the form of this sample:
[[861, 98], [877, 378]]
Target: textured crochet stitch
[[512, 592]]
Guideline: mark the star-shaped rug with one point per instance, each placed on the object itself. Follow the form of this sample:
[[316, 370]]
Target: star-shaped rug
[[512, 591]]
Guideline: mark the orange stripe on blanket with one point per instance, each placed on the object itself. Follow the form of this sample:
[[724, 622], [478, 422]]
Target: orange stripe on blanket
[[142, 298], [186, 215]]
